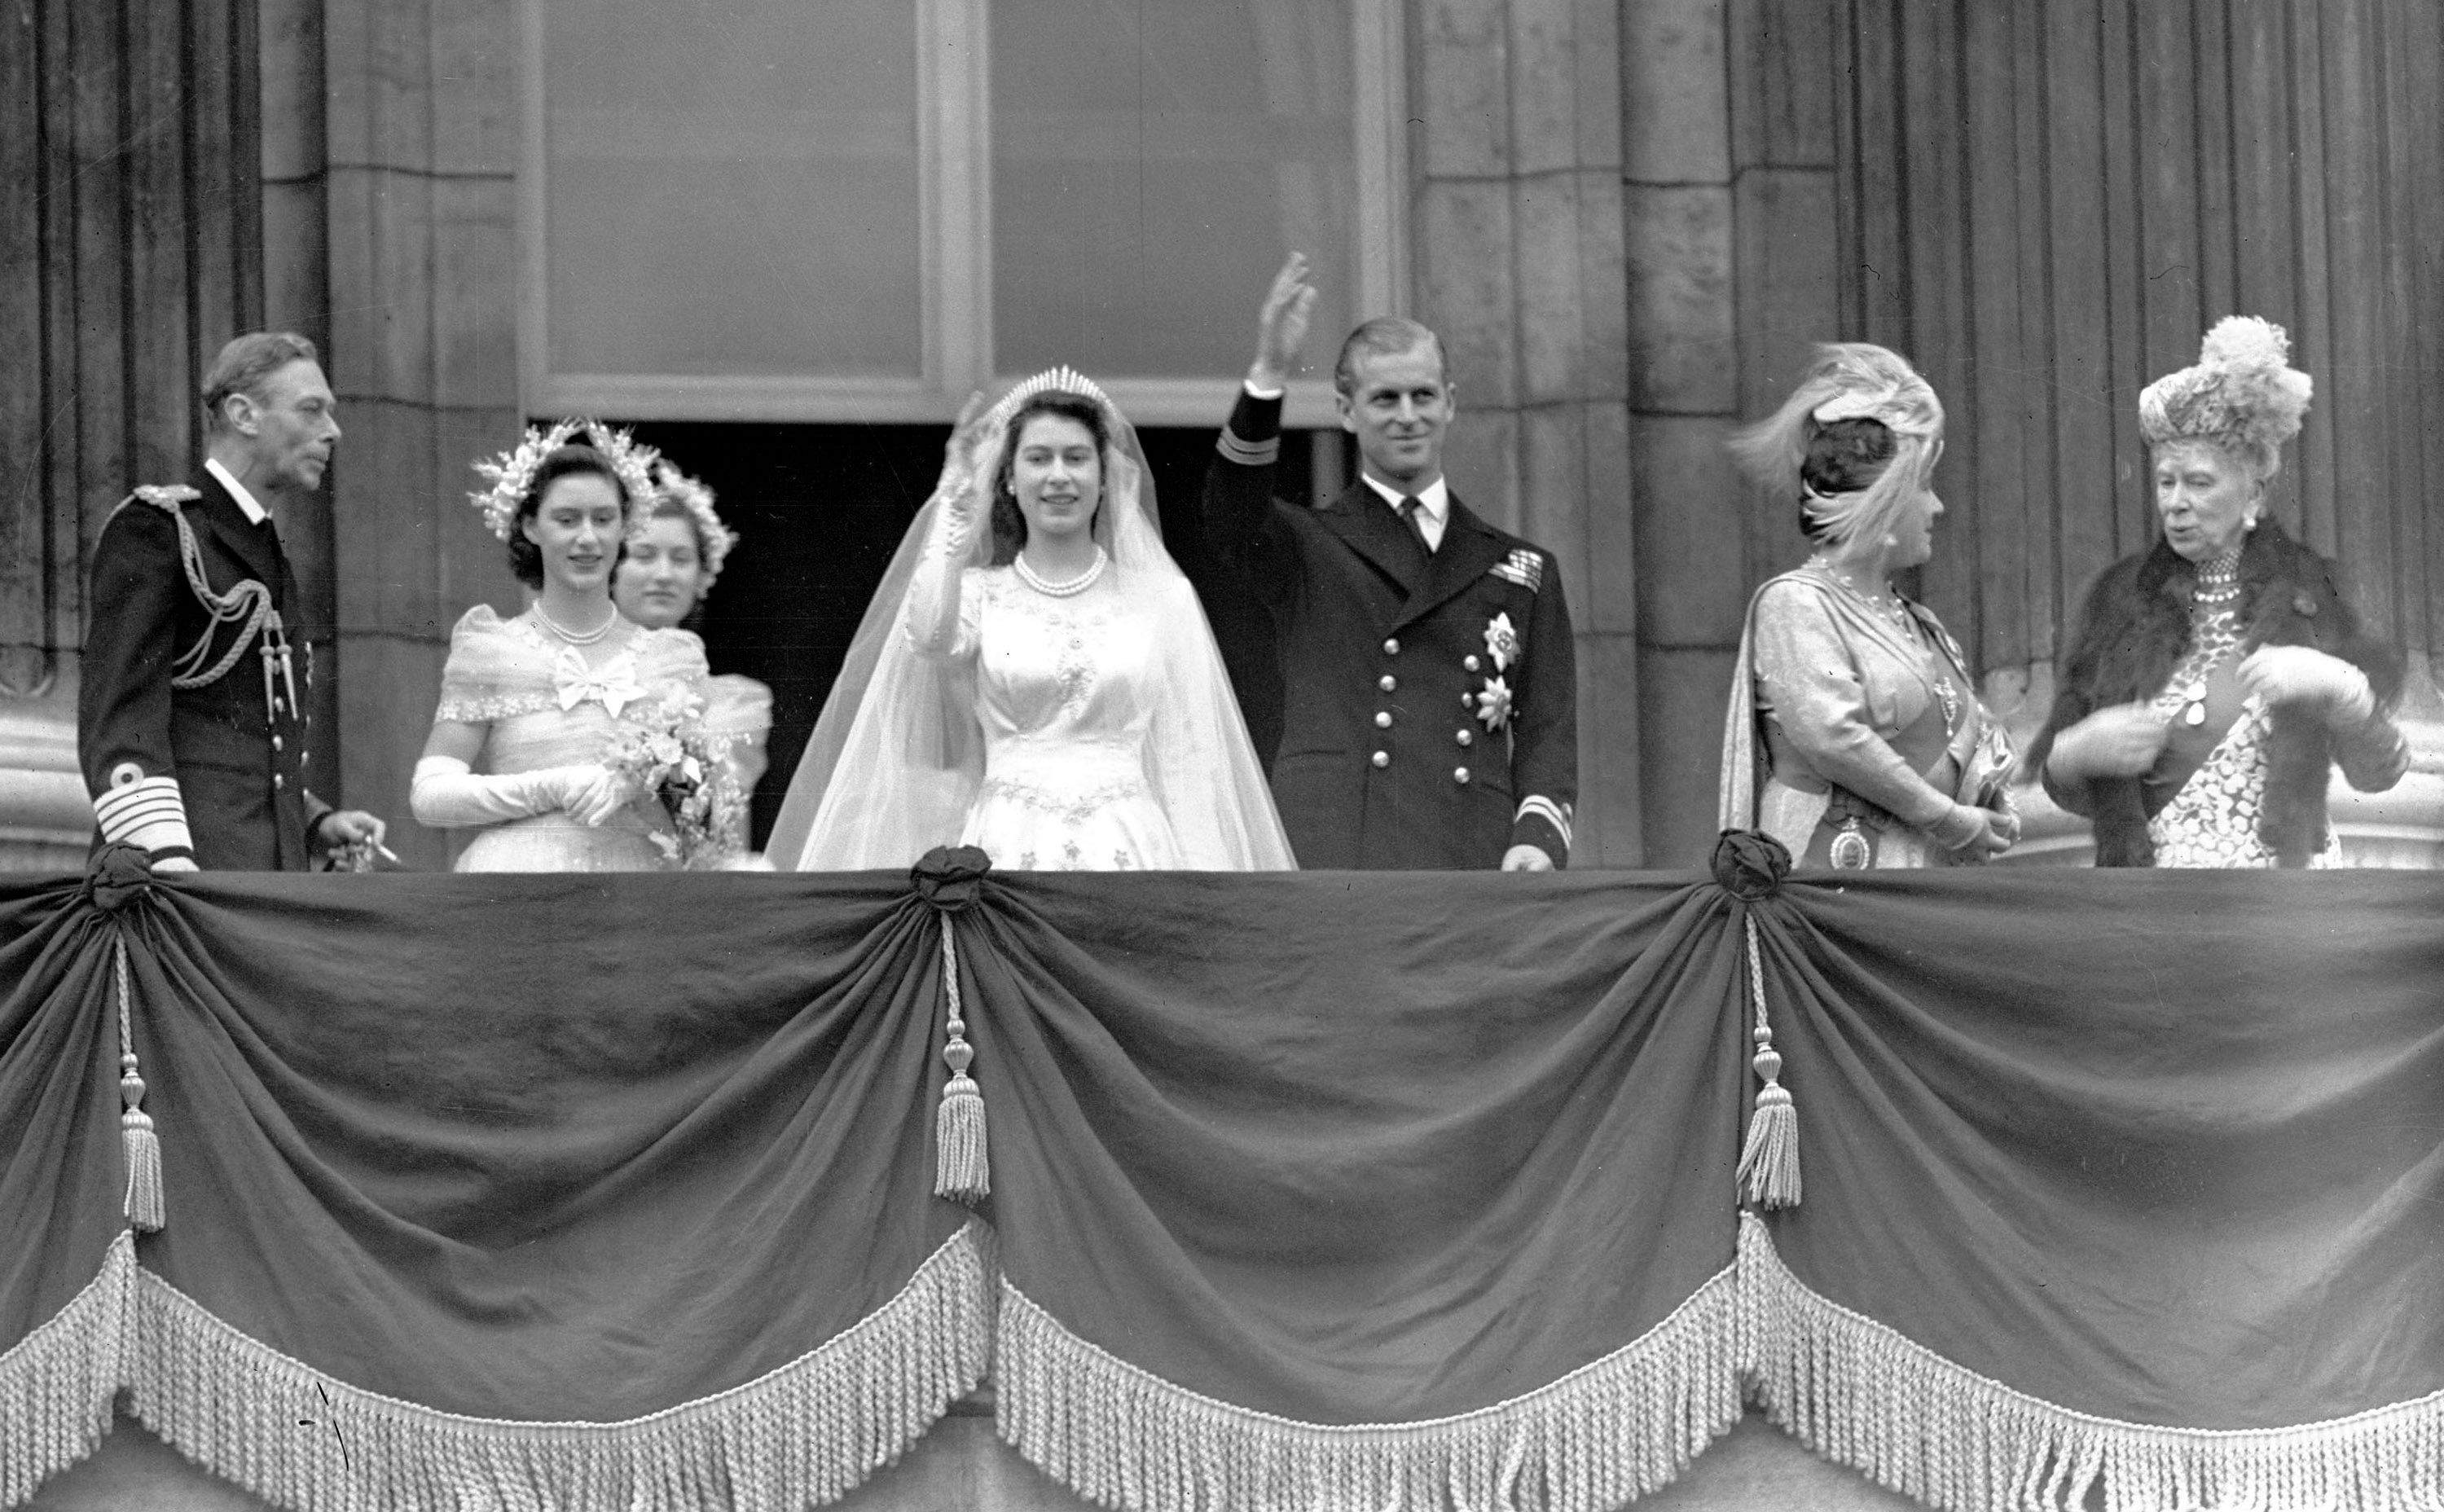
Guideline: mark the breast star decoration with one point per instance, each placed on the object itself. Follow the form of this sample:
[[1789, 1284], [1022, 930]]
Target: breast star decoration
[[1502, 641], [1493, 704]]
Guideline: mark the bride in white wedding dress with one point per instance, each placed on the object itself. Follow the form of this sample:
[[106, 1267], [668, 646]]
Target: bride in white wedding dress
[[1035, 677]]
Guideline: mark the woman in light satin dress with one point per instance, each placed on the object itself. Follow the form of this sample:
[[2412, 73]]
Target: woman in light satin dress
[[534, 706]]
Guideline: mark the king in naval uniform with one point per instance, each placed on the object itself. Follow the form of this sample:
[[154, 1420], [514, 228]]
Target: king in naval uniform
[[190, 725], [1430, 716]]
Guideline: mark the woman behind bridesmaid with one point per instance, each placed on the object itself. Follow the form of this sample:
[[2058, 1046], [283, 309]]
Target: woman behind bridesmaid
[[667, 567], [1855, 735]]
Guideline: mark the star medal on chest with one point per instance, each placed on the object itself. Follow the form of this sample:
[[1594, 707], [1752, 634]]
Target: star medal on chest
[[1500, 642]]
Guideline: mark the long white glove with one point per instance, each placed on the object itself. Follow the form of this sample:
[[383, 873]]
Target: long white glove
[[447, 794], [2301, 674]]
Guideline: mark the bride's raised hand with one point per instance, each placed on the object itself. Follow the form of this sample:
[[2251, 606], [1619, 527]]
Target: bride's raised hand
[[959, 458]]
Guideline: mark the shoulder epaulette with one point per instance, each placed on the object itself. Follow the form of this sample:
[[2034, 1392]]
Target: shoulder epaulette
[[167, 495]]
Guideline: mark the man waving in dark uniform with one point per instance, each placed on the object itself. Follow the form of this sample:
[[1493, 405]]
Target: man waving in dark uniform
[[1428, 679], [189, 724]]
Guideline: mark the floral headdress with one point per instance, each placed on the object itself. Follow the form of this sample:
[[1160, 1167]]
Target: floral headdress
[[512, 474], [2244, 395], [673, 486]]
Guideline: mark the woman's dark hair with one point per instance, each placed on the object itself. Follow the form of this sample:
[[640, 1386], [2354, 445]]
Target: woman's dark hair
[[526, 558], [1844, 456], [1009, 525]]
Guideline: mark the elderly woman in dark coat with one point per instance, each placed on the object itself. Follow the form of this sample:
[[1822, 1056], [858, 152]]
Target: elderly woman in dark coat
[[2219, 677]]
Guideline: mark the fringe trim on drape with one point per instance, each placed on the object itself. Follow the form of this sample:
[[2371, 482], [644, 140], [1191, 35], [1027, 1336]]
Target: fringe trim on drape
[[805, 1433], [56, 1384], [1859, 1393], [1615, 1428]]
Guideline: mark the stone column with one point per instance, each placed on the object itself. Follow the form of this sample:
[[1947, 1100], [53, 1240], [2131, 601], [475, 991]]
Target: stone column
[[1683, 399], [1517, 238], [423, 227], [1730, 160]]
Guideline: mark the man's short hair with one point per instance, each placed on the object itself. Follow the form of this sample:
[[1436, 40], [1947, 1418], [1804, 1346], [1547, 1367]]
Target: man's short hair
[[245, 363], [1385, 336]]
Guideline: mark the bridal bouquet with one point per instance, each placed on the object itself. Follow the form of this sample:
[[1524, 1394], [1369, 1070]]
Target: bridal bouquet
[[683, 768]]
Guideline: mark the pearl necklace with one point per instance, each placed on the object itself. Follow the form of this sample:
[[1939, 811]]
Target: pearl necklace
[[1061, 590], [2219, 581], [574, 638]]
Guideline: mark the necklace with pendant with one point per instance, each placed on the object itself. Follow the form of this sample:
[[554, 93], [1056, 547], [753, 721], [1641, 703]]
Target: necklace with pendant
[[2215, 632], [1889, 606]]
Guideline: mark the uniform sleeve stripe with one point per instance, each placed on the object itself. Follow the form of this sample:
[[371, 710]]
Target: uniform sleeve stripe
[[149, 813], [1536, 806], [1249, 453]]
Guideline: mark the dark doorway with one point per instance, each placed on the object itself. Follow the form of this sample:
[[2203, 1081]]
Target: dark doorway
[[820, 509]]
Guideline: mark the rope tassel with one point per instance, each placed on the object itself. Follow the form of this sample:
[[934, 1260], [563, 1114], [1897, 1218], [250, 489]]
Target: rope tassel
[[142, 1203], [1768, 1173], [962, 1169]]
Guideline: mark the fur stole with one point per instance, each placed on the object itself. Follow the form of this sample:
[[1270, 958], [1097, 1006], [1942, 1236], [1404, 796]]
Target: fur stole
[[2134, 629]]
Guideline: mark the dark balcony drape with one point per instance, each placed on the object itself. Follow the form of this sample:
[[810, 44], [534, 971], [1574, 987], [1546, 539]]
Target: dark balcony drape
[[1319, 1189]]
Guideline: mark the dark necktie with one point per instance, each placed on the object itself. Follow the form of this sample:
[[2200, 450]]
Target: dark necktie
[[1412, 515]]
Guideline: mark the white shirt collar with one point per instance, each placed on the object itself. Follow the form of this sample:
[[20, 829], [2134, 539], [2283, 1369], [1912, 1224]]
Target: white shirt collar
[[1433, 504], [256, 513]]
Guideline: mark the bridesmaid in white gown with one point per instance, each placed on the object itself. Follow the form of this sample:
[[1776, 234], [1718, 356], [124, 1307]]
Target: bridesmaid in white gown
[[538, 701], [1035, 677]]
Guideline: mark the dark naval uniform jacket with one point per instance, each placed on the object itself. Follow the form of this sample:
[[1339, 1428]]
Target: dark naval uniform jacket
[[190, 729], [1430, 715]]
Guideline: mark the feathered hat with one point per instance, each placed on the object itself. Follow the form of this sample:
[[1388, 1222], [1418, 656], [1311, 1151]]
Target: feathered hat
[[2244, 395], [1848, 380]]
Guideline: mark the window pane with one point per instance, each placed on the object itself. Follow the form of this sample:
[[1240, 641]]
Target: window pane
[[1152, 164], [732, 188]]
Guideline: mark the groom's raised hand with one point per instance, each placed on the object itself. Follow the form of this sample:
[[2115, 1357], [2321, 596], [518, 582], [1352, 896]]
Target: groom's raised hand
[[1280, 325]]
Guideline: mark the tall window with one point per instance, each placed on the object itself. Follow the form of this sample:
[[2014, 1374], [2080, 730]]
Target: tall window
[[862, 210]]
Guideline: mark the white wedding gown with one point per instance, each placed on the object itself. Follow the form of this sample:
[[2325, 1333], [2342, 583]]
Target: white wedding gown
[[1067, 691]]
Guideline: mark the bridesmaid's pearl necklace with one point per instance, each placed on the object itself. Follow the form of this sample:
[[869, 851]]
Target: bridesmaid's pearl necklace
[[574, 638], [1061, 590]]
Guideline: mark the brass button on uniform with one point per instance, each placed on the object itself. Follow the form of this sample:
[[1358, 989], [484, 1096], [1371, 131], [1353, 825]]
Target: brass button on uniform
[[1383, 719], [1468, 663], [1392, 646], [1387, 682], [1459, 774], [279, 781], [1466, 737], [276, 745], [1382, 758]]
